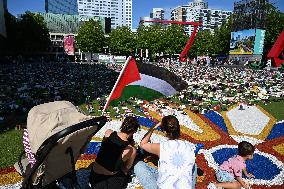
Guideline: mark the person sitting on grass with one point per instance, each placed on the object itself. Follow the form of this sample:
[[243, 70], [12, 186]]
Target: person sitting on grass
[[177, 168], [229, 174], [116, 157]]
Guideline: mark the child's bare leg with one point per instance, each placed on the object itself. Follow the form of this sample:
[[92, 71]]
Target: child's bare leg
[[229, 185]]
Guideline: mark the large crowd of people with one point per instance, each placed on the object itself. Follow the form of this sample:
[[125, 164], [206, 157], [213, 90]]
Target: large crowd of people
[[225, 85], [24, 85]]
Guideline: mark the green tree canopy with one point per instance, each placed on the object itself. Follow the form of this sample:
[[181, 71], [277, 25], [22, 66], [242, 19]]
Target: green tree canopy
[[203, 44], [33, 32], [152, 38], [122, 41], [174, 39], [28, 34], [222, 37], [274, 26], [91, 37], [142, 38]]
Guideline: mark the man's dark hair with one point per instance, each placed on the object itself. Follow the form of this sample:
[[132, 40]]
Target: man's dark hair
[[130, 124], [170, 124], [245, 148]]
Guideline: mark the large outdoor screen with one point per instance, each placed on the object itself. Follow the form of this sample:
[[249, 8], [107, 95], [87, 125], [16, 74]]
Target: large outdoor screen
[[247, 42], [2, 20]]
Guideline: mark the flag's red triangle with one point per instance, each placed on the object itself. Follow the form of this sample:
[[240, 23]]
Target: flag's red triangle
[[129, 75]]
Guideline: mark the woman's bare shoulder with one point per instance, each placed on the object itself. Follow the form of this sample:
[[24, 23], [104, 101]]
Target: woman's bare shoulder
[[108, 132]]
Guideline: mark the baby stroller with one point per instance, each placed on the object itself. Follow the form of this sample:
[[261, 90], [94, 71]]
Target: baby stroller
[[58, 134]]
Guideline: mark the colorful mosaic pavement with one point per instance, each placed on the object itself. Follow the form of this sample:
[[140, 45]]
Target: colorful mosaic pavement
[[219, 132]]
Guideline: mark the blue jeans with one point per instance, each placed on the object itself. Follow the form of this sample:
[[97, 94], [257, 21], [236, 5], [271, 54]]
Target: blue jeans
[[148, 175], [224, 176]]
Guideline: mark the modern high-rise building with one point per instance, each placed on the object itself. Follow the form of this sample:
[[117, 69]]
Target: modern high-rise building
[[198, 11], [250, 14], [61, 7], [148, 21], [120, 11], [158, 13], [199, 4]]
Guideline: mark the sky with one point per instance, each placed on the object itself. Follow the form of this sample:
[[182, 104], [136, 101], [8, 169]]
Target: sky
[[140, 7]]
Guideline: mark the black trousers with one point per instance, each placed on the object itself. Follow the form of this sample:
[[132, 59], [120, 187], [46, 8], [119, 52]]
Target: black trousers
[[117, 181]]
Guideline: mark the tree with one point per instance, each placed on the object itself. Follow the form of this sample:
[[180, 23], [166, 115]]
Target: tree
[[207, 43], [91, 37], [33, 33], [203, 44], [122, 41], [28, 34], [155, 39], [151, 37], [274, 26], [174, 39], [142, 37], [222, 37]]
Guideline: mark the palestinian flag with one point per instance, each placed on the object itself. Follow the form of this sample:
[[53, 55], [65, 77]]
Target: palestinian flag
[[148, 76]]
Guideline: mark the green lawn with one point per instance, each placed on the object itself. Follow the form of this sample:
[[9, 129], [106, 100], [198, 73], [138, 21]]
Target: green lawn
[[275, 108], [11, 147]]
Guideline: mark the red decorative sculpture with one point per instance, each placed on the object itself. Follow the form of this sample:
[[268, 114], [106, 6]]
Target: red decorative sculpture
[[277, 51]]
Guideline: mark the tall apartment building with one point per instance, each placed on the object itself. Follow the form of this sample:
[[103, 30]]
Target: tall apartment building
[[158, 13], [198, 11], [61, 7], [200, 4], [120, 11]]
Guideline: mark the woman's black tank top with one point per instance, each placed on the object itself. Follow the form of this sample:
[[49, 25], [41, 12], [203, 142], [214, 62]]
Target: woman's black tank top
[[110, 153]]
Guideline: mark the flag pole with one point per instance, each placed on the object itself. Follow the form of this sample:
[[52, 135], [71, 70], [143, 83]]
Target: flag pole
[[116, 83]]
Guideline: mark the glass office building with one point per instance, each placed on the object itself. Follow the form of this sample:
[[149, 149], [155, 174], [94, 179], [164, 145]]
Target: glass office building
[[61, 7], [62, 23]]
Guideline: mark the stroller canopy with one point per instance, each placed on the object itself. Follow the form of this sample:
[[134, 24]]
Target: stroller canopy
[[58, 134], [47, 119]]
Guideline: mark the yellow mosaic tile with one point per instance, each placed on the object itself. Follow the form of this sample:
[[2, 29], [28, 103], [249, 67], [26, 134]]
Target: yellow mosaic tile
[[83, 164], [208, 133], [10, 178], [279, 148], [98, 139], [155, 115]]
